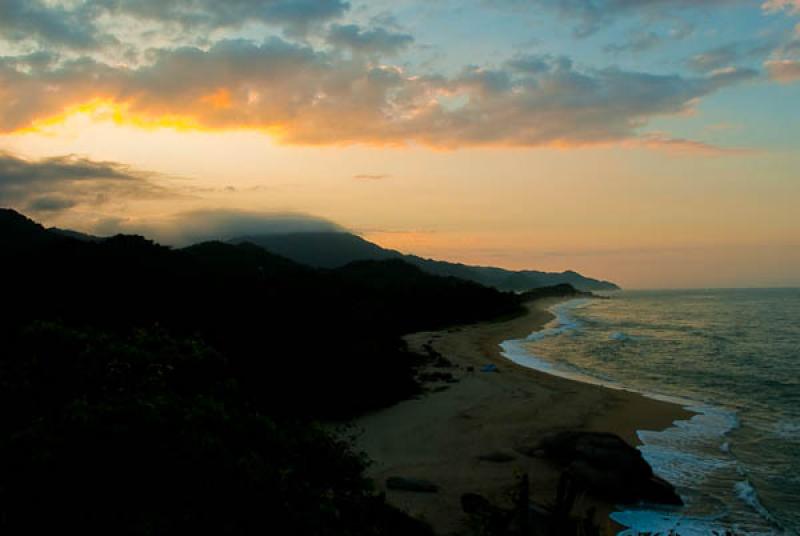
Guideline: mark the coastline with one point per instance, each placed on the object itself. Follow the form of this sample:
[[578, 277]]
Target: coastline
[[440, 436]]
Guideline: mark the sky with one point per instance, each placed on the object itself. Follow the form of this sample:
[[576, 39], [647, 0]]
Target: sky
[[654, 143]]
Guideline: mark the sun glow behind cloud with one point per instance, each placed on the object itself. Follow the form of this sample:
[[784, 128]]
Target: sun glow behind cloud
[[432, 128], [106, 110]]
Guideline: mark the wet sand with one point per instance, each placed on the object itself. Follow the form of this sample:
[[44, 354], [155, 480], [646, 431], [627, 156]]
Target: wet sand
[[440, 435]]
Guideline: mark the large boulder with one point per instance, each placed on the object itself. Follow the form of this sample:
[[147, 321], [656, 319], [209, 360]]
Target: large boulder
[[607, 467]]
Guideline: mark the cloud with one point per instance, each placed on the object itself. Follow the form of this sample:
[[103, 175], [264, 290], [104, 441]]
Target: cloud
[[729, 54], [231, 13], [374, 41], [371, 176], [784, 71], [774, 6], [50, 203], [301, 95], [590, 16], [662, 141], [63, 182], [637, 42], [197, 226], [50, 23], [85, 24]]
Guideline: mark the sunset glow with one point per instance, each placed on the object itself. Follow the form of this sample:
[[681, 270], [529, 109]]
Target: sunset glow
[[635, 142]]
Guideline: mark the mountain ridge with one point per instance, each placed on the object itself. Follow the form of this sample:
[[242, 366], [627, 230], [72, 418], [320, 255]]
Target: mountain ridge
[[336, 249]]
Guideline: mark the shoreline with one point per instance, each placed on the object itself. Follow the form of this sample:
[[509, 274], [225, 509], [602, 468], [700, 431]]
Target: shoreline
[[439, 436]]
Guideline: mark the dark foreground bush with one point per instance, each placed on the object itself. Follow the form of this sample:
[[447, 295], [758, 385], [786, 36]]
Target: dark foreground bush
[[141, 433]]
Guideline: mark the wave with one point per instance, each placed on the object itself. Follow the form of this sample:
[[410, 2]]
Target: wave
[[516, 350], [685, 454], [788, 430], [621, 336], [654, 521], [748, 494]]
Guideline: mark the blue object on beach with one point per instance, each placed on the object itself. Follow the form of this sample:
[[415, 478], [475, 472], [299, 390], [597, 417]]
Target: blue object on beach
[[489, 368]]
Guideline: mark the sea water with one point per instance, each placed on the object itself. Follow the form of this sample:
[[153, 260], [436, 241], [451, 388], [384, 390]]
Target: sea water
[[731, 356]]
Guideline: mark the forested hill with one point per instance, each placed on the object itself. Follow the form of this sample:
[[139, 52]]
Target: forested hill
[[146, 390], [335, 249], [306, 333]]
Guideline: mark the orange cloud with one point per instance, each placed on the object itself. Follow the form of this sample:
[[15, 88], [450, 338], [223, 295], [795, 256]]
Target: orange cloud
[[661, 141], [784, 71], [220, 99], [772, 6], [303, 96]]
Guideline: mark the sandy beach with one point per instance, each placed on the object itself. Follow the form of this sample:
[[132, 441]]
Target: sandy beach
[[440, 436]]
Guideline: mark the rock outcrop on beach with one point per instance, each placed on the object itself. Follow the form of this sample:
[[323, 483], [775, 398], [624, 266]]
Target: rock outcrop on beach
[[607, 467], [601, 464]]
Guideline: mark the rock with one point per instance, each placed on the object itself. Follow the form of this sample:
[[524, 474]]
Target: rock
[[496, 457], [607, 467], [472, 503], [492, 519], [411, 484]]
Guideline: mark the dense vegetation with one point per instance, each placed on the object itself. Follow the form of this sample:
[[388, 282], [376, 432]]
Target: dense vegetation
[[147, 434], [147, 390], [309, 340]]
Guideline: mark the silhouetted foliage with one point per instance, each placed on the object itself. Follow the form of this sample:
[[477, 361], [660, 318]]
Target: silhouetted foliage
[[305, 341], [147, 390], [147, 434]]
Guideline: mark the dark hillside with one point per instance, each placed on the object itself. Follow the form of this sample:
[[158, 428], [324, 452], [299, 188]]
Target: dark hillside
[[147, 390], [320, 340], [334, 250]]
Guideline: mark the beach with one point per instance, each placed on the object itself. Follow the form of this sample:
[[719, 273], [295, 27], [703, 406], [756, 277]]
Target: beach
[[440, 436]]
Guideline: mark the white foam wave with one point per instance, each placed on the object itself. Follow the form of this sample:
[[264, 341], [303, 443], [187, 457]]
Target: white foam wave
[[673, 453], [518, 350], [789, 430], [663, 522], [748, 494]]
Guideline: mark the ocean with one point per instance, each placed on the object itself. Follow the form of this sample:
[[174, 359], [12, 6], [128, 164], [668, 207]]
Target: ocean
[[732, 356]]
